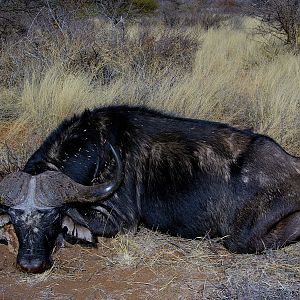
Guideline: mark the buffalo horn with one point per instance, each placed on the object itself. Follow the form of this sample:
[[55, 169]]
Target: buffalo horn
[[55, 188], [103, 190], [13, 188]]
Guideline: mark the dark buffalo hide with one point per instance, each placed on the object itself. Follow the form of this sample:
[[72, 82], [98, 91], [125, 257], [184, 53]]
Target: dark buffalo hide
[[108, 170]]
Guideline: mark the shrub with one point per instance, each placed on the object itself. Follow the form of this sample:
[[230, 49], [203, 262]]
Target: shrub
[[169, 50], [96, 48], [207, 15], [14, 15], [145, 6], [281, 19]]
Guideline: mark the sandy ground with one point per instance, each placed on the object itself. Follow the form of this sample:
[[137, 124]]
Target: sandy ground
[[150, 265]]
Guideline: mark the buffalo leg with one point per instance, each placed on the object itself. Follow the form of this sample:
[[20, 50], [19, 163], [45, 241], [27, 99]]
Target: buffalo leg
[[274, 225], [285, 232]]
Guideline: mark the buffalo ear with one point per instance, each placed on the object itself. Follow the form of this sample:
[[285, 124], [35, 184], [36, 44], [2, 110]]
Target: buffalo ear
[[76, 230], [76, 216]]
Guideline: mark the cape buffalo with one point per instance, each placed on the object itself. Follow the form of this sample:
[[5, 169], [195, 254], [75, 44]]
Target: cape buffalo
[[108, 170]]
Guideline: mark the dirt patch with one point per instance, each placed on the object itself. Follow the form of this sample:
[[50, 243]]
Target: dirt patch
[[150, 265]]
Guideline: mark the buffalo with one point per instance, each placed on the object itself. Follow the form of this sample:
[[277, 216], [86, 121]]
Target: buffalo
[[110, 169]]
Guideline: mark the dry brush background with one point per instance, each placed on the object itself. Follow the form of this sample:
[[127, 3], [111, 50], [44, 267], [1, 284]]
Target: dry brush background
[[224, 73]]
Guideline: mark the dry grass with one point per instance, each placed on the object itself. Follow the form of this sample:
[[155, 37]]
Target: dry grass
[[230, 77], [149, 265]]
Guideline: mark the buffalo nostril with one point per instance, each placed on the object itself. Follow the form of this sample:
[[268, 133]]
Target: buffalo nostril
[[34, 265]]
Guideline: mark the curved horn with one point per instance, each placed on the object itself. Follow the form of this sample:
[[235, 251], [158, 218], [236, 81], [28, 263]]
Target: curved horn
[[55, 188], [100, 191], [13, 188]]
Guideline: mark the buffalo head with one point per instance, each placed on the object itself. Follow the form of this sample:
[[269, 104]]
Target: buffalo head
[[40, 207]]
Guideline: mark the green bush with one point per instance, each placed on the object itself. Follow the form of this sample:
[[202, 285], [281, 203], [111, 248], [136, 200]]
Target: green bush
[[146, 6]]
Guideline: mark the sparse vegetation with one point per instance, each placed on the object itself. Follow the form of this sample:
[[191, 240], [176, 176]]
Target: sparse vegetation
[[280, 19], [67, 61], [149, 265], [224, 74]]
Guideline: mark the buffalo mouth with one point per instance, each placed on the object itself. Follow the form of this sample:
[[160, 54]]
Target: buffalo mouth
[[34, 265]]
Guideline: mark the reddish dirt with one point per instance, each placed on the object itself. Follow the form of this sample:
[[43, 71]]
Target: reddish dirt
[[108, 272], [83, 277], [150, 265]]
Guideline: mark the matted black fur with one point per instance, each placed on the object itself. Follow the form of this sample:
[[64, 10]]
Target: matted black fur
[[182, 176]]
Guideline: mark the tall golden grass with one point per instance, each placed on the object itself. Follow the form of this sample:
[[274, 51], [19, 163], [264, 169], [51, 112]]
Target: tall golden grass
[[233, 79]]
